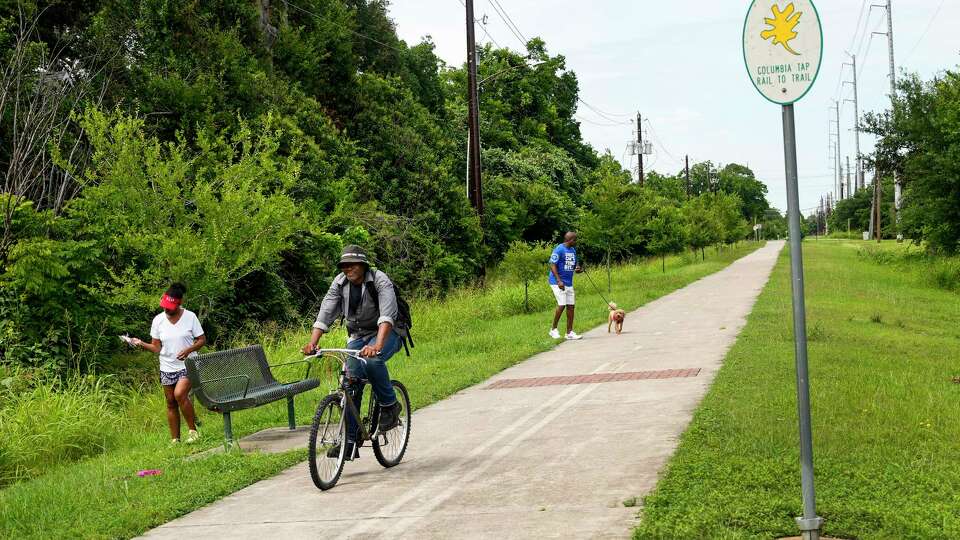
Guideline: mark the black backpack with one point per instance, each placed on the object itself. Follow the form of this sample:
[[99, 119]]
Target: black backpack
[[404, 320]]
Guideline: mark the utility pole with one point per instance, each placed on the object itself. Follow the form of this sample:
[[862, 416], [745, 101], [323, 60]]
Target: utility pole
[[640, 150], [686, 168], [858, 179], [850, 191], [473, 143], [839, 165], [897, 187], [833, 148], [841, 175]]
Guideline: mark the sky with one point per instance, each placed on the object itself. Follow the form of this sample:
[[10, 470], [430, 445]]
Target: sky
[[680, 64]]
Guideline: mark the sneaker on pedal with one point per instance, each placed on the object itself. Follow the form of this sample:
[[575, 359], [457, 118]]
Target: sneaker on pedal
[[389, 417], [573, 335], [554, 333], [351, 453]]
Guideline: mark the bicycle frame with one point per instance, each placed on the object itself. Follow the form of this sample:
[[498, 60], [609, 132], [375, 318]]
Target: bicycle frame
[[349, 408]]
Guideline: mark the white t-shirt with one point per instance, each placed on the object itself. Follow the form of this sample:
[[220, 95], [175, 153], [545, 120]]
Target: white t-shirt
[[175, 338]]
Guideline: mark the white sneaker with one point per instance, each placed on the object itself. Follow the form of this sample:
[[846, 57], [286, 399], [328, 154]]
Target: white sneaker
[[573, 335], [192, 436], [554, 333]]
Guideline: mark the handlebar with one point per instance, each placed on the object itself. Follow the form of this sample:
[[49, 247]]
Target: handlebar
[[341, 354]]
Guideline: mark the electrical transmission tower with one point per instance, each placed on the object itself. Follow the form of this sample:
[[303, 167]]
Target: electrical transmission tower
[[897, 187], [858, 178]]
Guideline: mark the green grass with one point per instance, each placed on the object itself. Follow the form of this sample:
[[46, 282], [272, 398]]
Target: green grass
[[884, 341], [93, 492]]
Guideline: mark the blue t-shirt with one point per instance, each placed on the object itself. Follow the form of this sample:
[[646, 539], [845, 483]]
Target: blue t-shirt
[[566, 260]]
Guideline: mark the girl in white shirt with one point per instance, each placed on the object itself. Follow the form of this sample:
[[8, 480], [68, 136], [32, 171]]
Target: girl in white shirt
[[175, 334]]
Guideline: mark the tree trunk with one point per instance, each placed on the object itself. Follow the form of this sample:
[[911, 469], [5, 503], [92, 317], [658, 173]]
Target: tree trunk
[[663, 264]]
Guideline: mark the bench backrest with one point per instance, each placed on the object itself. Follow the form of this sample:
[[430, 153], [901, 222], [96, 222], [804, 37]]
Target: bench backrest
[[239, 364]]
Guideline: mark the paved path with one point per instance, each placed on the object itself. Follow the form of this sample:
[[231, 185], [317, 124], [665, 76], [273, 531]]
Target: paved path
[[551, 457]]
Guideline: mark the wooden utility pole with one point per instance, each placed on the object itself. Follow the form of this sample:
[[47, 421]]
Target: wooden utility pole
[[473, 117], [686, 168], [640, 150]]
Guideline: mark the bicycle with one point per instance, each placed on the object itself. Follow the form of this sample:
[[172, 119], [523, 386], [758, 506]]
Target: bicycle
[[329, 428]]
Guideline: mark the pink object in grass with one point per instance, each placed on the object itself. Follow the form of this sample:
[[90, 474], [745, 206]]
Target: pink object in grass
[[149, 472]]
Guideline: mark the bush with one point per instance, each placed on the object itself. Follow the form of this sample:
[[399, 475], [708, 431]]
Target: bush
[[152, 213], [53, 423], [946, 274], [526, 262]]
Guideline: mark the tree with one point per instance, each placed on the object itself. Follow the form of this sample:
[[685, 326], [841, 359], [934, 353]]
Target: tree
[[616, 216], [726, 208], [703, 227], [739, 180], [672, 188], [526, 262], [666, 233], [918, 140]]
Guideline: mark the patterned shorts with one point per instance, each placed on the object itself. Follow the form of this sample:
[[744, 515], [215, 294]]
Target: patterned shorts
[[171, 378]]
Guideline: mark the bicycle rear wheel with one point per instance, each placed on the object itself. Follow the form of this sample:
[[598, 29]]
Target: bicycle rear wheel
[[390, 446], [328, 431]]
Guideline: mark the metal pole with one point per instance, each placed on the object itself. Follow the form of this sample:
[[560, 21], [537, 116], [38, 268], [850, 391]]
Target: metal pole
[[897, 187], [850, 191], [810, 523], [839, 165], [640, 149], [856, 125], [476, 193]]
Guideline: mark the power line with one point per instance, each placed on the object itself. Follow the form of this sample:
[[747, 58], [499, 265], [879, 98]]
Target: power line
[[660, 142], [354, 32], [930, 24], [605, 116], [511, 23], [483, 27], [504, 18], [601, 124]]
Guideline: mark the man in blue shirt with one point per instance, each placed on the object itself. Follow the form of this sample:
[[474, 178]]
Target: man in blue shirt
[[563, 264]]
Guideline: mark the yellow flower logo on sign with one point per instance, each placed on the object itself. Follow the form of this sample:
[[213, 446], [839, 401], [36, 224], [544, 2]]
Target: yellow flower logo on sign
[[782, 26]]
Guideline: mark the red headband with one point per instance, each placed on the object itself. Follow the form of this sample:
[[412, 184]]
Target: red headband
[[169, 302]]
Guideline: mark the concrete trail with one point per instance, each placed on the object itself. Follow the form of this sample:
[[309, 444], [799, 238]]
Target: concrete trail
[[552, 456]]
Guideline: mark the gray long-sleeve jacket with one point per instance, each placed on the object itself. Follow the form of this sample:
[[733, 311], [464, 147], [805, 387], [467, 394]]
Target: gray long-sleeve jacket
[[366, 321]]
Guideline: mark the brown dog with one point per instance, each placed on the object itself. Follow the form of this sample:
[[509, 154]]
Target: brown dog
[[616, 317]]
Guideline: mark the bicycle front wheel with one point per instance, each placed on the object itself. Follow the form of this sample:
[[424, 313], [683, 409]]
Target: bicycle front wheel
[[390, 445], [326, 446]]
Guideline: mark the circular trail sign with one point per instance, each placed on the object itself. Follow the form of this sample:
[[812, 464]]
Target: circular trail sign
[[782, 48]]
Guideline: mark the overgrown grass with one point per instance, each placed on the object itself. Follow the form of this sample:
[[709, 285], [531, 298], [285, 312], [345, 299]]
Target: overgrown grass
[[883, 345], [118, 430]]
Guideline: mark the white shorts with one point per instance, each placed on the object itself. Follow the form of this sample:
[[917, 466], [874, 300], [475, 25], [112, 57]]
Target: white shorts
[[564, 297]]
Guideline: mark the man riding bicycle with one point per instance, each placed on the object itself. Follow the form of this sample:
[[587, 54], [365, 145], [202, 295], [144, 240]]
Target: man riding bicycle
[[367, 301]]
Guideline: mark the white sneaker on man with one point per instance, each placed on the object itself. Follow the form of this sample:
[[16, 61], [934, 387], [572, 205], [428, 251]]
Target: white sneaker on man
[[554, 333], [573, 335]]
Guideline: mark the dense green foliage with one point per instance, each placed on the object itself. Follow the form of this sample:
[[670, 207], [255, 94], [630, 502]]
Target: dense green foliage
[[237, 145], [918, 138]]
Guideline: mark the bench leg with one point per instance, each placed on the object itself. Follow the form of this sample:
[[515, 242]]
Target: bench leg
[[291, 418], [227, 432]]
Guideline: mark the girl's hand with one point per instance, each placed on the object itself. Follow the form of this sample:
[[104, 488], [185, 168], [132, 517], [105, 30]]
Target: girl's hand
[[137, 342]]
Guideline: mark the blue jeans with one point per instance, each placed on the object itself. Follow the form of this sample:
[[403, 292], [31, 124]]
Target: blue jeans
[[373, 369]]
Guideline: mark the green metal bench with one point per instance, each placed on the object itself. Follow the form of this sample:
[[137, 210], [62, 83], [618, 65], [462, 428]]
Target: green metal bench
[[236, 379]]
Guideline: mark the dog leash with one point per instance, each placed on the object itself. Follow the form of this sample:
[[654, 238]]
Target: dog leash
[[590, 279]]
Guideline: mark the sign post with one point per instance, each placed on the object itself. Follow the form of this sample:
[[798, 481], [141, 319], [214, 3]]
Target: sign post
[[782, 49]]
